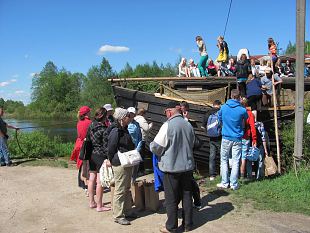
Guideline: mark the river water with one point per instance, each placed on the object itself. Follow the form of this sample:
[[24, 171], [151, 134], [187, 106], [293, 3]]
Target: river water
[[65, 129]]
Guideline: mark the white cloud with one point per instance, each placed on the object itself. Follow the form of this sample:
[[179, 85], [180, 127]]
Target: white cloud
[[15, 76], [3, 84], [176, 50], [13, 80], [19, 92], [112, 49]]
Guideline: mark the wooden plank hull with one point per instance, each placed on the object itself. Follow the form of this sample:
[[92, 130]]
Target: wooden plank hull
[[155, 113]]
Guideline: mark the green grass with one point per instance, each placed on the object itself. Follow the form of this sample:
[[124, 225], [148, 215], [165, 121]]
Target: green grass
[[285, 193], [46, 162]]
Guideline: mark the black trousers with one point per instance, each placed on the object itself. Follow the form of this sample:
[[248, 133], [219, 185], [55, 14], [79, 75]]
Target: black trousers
[[196, 192], [215, 149], [242, 88], [178, 186]]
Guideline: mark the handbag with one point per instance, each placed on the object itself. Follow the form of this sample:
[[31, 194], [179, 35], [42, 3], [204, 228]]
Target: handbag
[[129, 158], [106, 175], [253, 154], [270, 166], [87, 147]]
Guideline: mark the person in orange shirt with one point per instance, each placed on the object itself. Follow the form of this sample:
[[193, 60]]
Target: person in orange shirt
[[272, 47]]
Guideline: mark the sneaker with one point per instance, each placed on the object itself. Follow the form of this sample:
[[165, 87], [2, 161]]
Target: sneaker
[[122, 221], [234, 187], [10, 164], [212, 178], [198, 207], [220, 185]]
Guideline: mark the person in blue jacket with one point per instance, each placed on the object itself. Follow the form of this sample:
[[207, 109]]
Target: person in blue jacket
[[136, 136], [232, 116]]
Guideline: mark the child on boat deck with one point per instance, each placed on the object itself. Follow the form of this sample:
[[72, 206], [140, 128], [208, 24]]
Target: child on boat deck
[[193, 68], [183, 69], [211, 68], [272, 47]]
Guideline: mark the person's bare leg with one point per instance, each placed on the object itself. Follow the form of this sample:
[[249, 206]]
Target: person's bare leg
[[242, 168], [99, 194], [91, 184]]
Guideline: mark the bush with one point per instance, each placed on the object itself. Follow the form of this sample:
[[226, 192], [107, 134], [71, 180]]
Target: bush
[[288, 140], [38, 145]]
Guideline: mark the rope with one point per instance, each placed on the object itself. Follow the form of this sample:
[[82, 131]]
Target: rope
[[227, 18], [20, 148]]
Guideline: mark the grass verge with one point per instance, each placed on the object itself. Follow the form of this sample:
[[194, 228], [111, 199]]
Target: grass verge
[[285, 193], [46, 162]]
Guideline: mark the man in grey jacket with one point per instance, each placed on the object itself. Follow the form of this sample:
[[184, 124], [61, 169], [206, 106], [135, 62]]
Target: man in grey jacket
[[174, 147]]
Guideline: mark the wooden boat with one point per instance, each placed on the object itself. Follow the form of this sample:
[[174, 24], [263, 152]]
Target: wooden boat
[[183, 89]]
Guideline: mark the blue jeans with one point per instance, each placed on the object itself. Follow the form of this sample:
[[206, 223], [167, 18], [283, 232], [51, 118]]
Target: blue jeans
[[261, 166], [235, 148], [4, 152], [202, 65]]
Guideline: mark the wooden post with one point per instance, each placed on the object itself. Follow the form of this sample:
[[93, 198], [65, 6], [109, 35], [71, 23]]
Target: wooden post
[[228, 91], [275, 113], [161, 88], [299, 85]]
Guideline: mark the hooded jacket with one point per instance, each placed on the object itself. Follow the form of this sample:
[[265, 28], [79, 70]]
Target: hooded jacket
[[232, 115], [243, 69], [119, 139]]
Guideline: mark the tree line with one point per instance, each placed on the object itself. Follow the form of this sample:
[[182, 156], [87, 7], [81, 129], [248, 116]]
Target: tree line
[[58, 93]]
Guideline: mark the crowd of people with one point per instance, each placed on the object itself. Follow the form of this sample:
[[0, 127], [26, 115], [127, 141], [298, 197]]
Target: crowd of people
[[224, 65], [110, 132], [233, 130]]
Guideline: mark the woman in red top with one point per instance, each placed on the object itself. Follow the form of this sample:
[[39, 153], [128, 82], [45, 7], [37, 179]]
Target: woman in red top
[[249, 135], [82, 126], [272, 47]]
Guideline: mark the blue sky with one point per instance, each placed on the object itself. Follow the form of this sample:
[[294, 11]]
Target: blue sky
[[71, 32]]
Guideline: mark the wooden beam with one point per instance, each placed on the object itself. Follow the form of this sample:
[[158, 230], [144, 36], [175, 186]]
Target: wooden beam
[[299, 104]]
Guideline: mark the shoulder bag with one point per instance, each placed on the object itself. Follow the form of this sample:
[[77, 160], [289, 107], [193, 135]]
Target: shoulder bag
[[87, 147]]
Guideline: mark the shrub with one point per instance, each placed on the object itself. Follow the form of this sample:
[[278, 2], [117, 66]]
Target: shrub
[[38, 145], [288, 140]]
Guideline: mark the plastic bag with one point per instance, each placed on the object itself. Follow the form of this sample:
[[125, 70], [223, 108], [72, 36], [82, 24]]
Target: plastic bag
[[106, 175]]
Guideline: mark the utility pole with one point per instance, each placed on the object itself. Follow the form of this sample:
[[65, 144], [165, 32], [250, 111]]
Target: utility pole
[[299, 85]]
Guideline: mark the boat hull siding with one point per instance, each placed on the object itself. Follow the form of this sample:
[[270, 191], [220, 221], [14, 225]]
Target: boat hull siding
[[155, 107]]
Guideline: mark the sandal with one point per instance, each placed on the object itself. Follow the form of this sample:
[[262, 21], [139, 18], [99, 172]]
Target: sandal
[[103, 208]]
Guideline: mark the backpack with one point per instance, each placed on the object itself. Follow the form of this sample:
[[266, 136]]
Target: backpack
[[214, 128]]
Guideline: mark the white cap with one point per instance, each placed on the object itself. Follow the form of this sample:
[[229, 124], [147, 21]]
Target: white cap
[[132, 110], [108, 107]]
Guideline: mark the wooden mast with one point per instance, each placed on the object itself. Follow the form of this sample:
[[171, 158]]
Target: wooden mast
[[299, 85]]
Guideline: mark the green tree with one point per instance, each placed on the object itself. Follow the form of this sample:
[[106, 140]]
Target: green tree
[[97, 90], [291, 48], [56, 92]]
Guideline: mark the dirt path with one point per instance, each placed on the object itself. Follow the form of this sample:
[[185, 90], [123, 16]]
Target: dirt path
[[45, 199]]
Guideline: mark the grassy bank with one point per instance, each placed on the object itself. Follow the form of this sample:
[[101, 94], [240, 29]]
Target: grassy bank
[[49, 162], [38, 145], [285, 193]]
